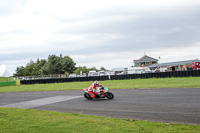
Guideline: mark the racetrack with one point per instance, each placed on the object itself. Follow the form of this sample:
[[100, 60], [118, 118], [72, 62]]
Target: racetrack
[[163, 105]]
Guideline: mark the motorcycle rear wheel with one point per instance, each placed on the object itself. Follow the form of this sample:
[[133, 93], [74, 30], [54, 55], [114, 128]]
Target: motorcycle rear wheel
[[87, 96], [109, 95]]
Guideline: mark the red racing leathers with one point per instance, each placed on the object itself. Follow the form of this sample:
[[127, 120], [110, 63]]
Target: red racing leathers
[[92, 90]]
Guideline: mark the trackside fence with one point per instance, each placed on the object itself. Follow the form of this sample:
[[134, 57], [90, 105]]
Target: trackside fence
[[193, 73]]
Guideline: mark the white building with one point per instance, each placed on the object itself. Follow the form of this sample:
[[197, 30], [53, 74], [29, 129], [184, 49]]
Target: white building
[[102, 73], [4, 72], [133, 70], [119, 71], [93, 73]]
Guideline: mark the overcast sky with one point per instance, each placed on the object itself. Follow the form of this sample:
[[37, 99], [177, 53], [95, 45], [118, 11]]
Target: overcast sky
[[108, 33]]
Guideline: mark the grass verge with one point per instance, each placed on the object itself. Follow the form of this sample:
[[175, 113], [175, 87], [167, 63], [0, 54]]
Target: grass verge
[[190, 82], [2, 79], [30, 121]]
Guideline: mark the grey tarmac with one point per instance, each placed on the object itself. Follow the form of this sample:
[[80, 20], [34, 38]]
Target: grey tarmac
[[180, 105]]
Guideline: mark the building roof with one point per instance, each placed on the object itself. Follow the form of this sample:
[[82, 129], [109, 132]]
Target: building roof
[[145, 58], [187, 62]]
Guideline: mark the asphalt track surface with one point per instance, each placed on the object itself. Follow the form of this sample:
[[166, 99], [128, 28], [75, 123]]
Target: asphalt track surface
[[163, 105]]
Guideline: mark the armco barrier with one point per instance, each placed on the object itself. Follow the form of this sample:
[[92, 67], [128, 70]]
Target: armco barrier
[[193, 73]]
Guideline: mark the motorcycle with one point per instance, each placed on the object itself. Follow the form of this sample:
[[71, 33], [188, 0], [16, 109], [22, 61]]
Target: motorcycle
[[102, 93]]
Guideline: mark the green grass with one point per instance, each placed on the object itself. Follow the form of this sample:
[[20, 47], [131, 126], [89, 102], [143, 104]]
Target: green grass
[[31, 121], [25, 120], [2, 79], [190, 82]]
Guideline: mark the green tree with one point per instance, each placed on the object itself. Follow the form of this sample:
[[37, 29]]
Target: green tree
[[20, 71], [103, 69], [68, 65], [30, 69], [83, 69], [44, 70], [53, 65], [39, 66], [59, 65], [92, 69]]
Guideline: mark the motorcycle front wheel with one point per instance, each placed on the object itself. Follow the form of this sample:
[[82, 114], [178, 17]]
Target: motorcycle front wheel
[[109, 95], [87, 96]]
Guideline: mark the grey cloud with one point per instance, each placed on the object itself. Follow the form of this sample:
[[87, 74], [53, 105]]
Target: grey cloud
[[153, 30], [8, 7], [168, 28], [136, 31]]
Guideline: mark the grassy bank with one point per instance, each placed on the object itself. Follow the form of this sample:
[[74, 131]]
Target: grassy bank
[[2, 79], [190, 82], [31, 121]]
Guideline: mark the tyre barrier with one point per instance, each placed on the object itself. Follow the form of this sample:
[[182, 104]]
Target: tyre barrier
[[193, 73], [62, 80]]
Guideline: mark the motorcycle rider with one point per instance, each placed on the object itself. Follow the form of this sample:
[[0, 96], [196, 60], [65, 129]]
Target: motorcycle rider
[[93, 87]]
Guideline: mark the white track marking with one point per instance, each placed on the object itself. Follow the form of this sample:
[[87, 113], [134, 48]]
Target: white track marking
[[40, 102]]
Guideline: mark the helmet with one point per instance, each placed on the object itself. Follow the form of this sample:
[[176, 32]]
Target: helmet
[[96, 83]]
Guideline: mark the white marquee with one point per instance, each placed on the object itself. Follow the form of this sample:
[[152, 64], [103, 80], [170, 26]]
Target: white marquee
[[4, 72]]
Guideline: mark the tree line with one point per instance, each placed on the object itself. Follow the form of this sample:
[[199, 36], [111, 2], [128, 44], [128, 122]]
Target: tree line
[[53, 65]]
